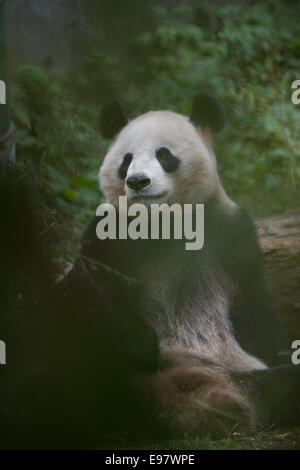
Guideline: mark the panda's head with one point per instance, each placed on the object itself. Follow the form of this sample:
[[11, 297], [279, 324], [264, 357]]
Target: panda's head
[[161, 156]]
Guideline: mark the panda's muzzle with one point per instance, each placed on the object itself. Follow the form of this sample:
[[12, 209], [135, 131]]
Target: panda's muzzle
[[138, 181]]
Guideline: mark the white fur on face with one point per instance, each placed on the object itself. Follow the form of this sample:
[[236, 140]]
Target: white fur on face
[[195, 179]]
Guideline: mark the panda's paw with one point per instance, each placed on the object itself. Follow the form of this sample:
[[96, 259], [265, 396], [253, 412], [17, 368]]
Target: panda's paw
[[201, 400]]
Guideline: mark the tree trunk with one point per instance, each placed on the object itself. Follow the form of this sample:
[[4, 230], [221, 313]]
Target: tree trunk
[[280, 240]]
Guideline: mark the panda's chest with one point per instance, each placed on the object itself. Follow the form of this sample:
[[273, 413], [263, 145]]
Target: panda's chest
[[188, 305]]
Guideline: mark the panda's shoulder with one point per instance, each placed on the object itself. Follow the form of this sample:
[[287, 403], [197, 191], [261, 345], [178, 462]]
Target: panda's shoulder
[[230, 222], [240, 223], [113, 252], [90, 230], [235, 235], [94, 248]]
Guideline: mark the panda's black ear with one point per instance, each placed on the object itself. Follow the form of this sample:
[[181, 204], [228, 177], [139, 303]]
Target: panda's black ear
[[111, 119], [208, 112]]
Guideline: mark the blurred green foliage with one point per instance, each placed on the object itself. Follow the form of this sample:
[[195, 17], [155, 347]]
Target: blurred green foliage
[[58, 152], [248, 56]]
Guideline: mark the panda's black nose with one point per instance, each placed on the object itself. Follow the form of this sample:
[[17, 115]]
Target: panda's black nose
[[138, 181]]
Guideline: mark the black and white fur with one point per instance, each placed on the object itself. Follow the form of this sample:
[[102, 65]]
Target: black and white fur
[[209, 309]]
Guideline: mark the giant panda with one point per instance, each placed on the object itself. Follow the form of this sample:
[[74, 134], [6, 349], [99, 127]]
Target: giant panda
[[209, 311]]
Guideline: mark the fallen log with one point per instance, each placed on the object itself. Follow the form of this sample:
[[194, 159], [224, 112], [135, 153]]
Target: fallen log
[[279, 237]]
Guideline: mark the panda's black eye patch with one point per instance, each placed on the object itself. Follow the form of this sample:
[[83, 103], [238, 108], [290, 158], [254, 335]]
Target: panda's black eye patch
[[125, 165], [167, 160]]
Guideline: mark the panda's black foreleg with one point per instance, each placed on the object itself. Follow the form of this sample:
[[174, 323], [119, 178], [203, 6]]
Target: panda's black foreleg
[[274, 392]]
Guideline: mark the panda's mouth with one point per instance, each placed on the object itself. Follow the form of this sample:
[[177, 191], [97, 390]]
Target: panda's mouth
[[148, 197]]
